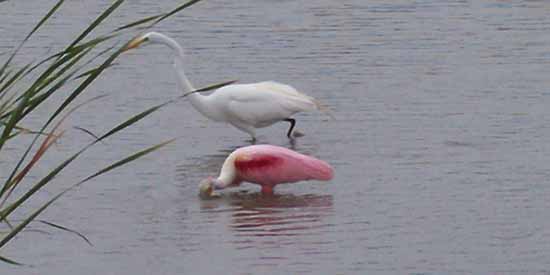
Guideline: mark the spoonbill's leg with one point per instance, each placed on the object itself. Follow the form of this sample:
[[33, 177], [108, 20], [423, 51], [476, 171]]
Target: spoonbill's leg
[[292, 123], [267, 189]]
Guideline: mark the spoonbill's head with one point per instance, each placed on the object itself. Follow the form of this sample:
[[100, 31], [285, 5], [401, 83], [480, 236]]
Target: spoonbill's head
[[144, 39], [206, 188]]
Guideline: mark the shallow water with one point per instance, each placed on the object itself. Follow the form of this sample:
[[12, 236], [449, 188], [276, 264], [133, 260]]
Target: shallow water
[[440, 143]]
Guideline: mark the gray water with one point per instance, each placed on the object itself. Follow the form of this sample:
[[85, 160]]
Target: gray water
[[440, 144]]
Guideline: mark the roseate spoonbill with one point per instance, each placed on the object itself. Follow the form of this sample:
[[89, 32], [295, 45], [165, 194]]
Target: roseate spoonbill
[[266, 165], [245, 106]]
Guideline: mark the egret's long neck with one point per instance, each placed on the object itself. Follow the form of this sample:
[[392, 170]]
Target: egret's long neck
[[183, 80], [198, 101]]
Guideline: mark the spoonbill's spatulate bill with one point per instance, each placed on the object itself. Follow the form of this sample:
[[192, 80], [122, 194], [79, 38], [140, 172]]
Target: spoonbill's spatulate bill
[[245, 106], [266, 165]]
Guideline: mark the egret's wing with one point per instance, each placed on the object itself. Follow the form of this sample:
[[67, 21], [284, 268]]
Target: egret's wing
[[289, 97], [296, 100], [264, 101], [272, 164]]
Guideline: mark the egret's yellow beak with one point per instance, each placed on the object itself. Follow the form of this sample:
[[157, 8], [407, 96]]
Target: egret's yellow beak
[[134, 43]]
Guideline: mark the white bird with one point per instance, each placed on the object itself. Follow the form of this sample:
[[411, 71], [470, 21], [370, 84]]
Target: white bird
[[245, 106]]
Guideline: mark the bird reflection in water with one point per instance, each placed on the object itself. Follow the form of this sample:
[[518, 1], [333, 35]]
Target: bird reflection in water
[[279, 215], [253, 214]]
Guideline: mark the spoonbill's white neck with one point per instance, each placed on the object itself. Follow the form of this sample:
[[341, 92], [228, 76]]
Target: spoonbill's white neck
[[228, 172]]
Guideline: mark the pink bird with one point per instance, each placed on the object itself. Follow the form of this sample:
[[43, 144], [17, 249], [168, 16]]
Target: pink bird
[[266, 165]]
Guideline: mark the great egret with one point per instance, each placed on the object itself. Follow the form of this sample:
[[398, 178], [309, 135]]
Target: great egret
[[245, 106], [266, 165]]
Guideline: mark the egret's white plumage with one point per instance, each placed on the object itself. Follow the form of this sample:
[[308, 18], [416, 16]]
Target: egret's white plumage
[[245, 106]]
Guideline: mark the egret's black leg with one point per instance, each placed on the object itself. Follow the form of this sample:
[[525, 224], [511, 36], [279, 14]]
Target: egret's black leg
[[292, 123]]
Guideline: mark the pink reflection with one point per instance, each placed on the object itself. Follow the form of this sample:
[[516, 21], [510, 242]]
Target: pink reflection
[[278, 215]]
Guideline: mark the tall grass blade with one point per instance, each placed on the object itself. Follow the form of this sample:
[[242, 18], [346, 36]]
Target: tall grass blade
[[216, 86], [56, 71], [210, 87], [117, 164], [12, 80], [87, 132], [138, 22], [23, 129], [13, 180], [12, 183], [9, 261], [65, 103], [92, 71], [176, 10], [90, 44], [129, 159], [36, 27], [44, 19], [25, 222], [96, 23], [8, 210], [36, 101], [132, 120], [87, 81], [14, 118], [3, 78], [68, 230], [44, 79]]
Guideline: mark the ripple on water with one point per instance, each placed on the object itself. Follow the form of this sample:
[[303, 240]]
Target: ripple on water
[[262, 228], [254, 215]]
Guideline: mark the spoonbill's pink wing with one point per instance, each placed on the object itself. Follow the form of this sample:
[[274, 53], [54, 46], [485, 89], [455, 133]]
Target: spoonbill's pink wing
[[271, 165]]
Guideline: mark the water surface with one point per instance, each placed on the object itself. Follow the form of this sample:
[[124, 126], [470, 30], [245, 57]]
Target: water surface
[[440, 143]]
